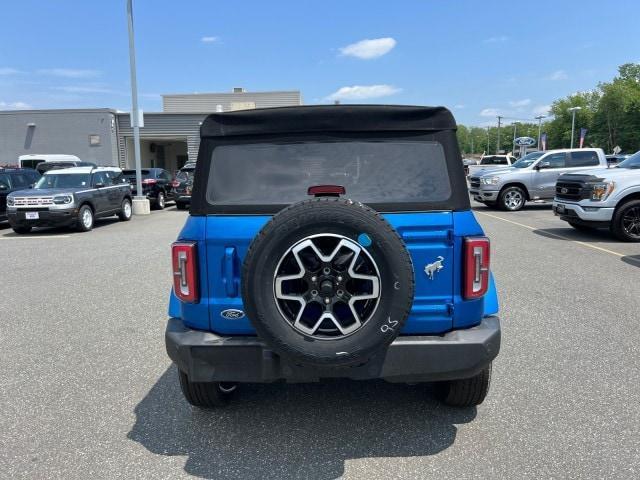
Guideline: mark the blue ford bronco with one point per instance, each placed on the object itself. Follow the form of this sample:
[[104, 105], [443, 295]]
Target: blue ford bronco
[[331, 241]]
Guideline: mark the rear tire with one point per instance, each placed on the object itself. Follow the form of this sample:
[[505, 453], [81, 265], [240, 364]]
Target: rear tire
[[512, 199], [85, 218], [21, 230], [206, 395], [625, 224], [160, 201], [467, 392], [125, 210]]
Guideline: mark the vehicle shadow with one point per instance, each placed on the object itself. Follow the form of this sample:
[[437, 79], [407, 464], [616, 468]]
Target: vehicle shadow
[[45, 231], [596, 235], [632, 260], [529, 206], [297, 430]]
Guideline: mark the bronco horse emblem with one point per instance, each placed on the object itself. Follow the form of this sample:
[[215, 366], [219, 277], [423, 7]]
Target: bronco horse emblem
[[433, 268]]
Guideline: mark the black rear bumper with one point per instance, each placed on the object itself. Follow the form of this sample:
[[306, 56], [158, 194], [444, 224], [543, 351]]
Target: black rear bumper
[[47, 218], [207, 357]]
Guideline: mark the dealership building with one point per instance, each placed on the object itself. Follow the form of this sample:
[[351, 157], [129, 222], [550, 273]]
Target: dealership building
[[104, 136]]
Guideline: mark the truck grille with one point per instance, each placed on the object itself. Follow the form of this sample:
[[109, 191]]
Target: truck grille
[[32, 201], [574, 190], [474, 182]]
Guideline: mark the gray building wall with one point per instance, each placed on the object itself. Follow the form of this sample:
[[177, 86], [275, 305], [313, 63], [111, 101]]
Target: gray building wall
[[159, 126], [208, 102], [58, 132]]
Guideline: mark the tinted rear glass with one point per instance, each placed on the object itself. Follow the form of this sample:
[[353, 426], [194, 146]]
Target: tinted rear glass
[[132, 173], [389, 171]]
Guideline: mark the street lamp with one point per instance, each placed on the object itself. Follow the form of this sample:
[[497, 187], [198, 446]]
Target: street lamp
[[513, 149], [539, 118], [140, 202], [573, 111]]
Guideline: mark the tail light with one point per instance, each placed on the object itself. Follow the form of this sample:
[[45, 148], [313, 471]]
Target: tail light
[[185, 273], [149, 181], [476, 267]]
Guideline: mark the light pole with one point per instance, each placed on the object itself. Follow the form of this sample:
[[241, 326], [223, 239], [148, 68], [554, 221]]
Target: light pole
[[488, 140], [140, 202], [498, 143], [513, 150], [539, 118], [573, 111]]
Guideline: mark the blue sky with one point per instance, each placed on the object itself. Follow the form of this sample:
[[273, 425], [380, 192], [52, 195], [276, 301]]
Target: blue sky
[[477, 58]]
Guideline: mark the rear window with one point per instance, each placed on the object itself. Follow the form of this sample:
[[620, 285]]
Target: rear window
[[132, 173], [494, 160], [373, 172]]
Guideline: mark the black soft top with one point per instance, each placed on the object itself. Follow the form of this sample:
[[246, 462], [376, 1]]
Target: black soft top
[[328, 118]]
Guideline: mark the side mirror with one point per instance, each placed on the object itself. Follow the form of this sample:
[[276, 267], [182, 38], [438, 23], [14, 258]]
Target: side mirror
[[99, 185], [542, 165]]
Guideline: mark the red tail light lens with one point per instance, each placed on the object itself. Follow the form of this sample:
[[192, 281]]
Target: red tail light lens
[[149, 181], [326, 190], [476, 267], [185, 272]]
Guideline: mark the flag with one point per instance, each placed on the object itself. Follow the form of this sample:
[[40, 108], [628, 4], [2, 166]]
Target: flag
[[583, 133], [543, 141]]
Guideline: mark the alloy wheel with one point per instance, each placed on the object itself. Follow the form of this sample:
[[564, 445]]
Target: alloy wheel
[[327, 286]]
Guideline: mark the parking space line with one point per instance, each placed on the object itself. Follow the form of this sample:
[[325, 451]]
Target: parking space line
[[562, 237]]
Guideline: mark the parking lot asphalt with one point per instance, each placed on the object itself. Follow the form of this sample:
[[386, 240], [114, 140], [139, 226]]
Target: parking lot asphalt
[[87, 390]]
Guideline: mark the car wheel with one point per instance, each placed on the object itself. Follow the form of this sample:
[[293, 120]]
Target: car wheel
[[580, 227], [466, 392], [181, 206], [85, 218], [206, 395], [625, 224], [160, 201], [512, 199], [21, 230], [125, 210], [328, 282]]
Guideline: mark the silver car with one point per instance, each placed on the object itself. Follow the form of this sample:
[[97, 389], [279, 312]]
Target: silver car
[[533, 177]]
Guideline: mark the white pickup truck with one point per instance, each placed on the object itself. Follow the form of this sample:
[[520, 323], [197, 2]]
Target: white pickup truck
[[602, 198], [491, 162]]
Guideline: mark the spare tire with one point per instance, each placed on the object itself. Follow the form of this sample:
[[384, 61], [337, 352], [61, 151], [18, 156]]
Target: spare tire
[[327, 282]]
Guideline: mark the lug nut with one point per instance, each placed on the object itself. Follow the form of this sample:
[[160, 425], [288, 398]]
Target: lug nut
[[314, 293], [339, 278], [327, 300], [326, 270], [340, 293], [314, 279]]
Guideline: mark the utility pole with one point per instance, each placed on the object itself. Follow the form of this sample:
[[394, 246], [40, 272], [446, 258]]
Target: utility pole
[[471, 144], [140, 202], [488, 140], [498, 147], [513, 149], [573, 111], [539, 118]]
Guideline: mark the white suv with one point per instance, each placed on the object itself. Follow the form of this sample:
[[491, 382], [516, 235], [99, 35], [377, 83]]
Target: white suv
[[608, 197]]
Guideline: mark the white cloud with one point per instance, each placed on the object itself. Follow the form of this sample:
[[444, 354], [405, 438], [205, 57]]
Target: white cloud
[[362, 92], [209, 39], [558, 75], [489, 112], [14, 106], [520, 103], [9, 71], [69, 72], [368, 49], [498, 39], [458, 107], [541, 110]]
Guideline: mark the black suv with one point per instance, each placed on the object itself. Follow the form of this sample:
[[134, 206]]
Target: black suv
[[183, 185], [156, 185], [12, 179], [70, 197]]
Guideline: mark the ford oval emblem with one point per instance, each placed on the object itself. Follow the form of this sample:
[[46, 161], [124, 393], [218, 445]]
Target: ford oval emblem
[[232, 314]]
